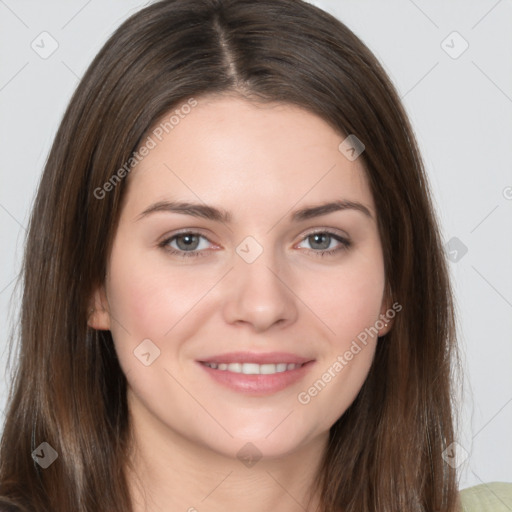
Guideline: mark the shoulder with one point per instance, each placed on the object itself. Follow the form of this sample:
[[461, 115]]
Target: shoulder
[[491, 497]]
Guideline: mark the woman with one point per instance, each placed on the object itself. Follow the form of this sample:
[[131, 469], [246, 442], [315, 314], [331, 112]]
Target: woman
[[235, 294]]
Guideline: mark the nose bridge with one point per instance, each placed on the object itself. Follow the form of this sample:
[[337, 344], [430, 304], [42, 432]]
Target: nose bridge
[[255, 269], [257, 293]]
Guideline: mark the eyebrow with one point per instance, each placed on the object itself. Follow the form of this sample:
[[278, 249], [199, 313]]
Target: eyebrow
[[220, 215]]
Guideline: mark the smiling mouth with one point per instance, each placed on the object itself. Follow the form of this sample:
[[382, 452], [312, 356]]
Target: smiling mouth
[[254, 368]]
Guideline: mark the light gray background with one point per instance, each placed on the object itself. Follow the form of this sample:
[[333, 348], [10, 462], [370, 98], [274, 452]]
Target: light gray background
[[461, 110]]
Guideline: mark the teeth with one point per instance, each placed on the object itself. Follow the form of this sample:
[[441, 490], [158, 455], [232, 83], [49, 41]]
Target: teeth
[[253, 368]]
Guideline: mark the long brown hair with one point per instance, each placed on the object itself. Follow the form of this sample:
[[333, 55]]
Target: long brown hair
[[385, 451]]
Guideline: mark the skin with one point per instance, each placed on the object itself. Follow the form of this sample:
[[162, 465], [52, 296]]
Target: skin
[[261, 163]]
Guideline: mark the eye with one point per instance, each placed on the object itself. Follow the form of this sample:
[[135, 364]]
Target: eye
[[321, 241], [186, 244]]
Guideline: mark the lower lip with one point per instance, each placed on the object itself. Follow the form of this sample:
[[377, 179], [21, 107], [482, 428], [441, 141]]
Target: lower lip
[[258, 384]]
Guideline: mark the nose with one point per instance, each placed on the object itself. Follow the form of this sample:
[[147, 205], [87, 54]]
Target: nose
[[259, 294]]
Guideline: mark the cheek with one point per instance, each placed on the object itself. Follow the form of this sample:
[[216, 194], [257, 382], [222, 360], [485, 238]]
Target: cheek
[[350, 305], [145, 302], [147, 296], [133, 298], [348, 299]]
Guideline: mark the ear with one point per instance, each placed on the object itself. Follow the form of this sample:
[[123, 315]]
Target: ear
[[386, 319], [98, 316]]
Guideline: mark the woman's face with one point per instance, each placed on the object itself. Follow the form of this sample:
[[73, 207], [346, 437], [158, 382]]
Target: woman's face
[[276, 283]]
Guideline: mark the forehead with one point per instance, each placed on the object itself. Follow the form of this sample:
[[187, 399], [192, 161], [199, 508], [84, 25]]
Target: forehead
[[229, 150]]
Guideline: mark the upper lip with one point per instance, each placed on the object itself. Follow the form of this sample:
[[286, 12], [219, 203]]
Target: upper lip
[[253, 357]]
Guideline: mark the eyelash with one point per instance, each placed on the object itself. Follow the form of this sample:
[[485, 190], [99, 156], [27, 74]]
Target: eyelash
[[345, 244]]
